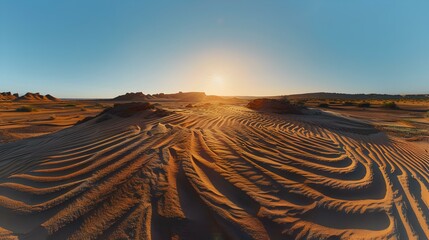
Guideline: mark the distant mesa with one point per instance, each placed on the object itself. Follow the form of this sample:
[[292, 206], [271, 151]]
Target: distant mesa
[[138, 96], [217, 98], [345, 96], [180, 96], [274, 105], [36, 97], [8, 96], [189, 96]]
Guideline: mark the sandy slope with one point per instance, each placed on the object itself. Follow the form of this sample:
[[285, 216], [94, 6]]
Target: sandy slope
[[221, 172], [48, 117]]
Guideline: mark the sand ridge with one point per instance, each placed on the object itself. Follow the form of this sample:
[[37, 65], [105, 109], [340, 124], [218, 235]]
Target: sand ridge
[[224, 172]]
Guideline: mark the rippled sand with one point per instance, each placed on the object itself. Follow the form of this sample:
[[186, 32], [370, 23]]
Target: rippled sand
[[219, 172]]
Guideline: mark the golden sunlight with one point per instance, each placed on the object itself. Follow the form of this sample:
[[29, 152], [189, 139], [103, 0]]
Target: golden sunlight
[[216, 84], [217, 79]]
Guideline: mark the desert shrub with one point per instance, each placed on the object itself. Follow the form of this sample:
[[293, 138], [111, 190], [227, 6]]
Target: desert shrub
[[427, 114], [83, 109], [347, 104], [364, 105], [332, 102], [52, 117], [390, 105], [323, 105], [25, 109], [274, 105], [70, 105]]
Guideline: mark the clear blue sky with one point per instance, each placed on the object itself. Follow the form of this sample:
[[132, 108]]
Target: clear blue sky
[[89, 48]]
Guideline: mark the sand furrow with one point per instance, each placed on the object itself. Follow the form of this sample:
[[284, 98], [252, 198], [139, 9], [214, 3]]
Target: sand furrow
[[222, 172]]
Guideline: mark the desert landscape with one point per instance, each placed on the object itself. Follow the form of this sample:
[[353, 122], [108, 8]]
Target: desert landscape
[[214, 120], [206, 167]]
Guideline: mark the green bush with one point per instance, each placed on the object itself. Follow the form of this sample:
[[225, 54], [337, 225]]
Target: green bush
[[25, 109]]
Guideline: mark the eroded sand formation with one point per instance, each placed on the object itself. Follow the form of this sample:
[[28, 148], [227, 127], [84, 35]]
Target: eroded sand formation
[[36, 97], [222, 172], [8, 96]]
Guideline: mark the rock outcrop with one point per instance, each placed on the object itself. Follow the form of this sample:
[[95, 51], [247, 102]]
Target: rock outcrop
[[8, 96], [36, 97], [181, 96]]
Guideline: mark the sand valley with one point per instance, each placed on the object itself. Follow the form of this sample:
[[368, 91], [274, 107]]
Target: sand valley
[[213, 170]]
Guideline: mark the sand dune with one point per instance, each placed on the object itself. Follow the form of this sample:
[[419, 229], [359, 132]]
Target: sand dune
[[220, 172]]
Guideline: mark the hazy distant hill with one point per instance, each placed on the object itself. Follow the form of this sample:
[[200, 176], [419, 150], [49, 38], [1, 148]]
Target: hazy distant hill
[[138, 96], [8, 96], [324, 95]]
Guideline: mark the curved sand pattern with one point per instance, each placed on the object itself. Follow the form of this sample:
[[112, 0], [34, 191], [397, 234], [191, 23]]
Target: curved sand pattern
[[223, 172]]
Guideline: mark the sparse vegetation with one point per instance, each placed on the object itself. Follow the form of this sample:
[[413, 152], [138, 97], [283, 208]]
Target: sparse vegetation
[[406, 132], [364, 105], [390, 105], [70, 105], [282, 105], [348, 104], [25, 109]]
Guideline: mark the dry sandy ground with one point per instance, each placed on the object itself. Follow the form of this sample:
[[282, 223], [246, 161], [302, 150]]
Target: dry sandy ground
[[215, 172], [47, 117], [410, 121]]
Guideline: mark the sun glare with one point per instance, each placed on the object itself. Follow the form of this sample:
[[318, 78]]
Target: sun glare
[[216, 84], [217, 79]]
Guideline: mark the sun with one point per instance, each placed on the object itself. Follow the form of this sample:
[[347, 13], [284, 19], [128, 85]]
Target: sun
[[216, 84], [217, 79]]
